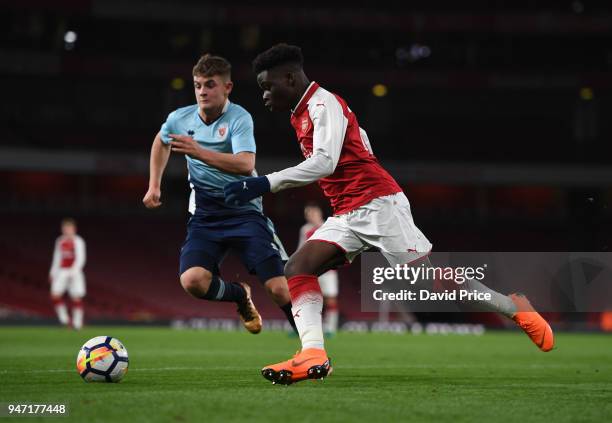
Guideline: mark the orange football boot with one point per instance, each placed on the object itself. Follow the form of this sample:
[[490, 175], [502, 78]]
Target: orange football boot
[[532, 323], [251, 319], [311, 363]]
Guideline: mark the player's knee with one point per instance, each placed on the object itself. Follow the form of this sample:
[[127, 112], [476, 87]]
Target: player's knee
[[196, 281], [278, 290], [296, 266], [290, 268]]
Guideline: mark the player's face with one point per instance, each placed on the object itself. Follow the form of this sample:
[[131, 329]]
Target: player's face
[[211, 91], [313, 215], [277, 90], [68, 229]]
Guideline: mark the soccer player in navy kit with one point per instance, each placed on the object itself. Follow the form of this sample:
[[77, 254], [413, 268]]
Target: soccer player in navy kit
[[370, 209], [216, 137]]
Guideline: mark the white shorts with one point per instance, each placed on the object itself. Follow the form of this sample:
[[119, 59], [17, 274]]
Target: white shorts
[[384, 223], [68, 280], [329, 283]]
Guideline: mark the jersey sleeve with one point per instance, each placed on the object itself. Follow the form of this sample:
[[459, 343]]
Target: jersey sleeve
[[329, 126], [242, 134], [55, 262], [303, 238], [168, 127], [80, 255]]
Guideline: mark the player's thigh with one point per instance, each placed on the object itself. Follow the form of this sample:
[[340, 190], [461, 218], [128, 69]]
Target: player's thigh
[[76, 287], [59, 284], [336, 232], [276, 240], [200, 255], [387, 224], [314, 258], [329, 284], [258, 249]]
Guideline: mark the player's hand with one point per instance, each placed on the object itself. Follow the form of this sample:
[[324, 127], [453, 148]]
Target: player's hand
[[185, 144], [243, 191], [151, 198]]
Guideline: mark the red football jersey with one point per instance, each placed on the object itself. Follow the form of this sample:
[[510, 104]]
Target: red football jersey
[[67, 251], [358, 178]]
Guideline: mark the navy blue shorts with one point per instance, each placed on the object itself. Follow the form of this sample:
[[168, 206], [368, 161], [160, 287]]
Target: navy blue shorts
[[251, 236]]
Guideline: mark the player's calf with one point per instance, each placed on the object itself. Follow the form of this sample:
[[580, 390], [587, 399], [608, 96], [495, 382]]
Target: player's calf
[[277, 290], [205, 285], [60, 309], [77, 313]]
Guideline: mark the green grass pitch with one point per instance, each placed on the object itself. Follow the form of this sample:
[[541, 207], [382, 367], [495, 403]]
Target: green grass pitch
[[202, 376]]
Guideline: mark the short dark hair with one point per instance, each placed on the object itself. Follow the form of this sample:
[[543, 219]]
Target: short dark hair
[[279, 54], [312, 204], [210, 65], [68, 221]]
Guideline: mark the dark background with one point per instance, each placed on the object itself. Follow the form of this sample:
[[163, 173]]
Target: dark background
[[495, 120]]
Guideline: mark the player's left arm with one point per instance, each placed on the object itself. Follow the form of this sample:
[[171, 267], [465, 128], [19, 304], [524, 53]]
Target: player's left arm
[[242, 159], [241, 163], [80, 254], [330, 126]]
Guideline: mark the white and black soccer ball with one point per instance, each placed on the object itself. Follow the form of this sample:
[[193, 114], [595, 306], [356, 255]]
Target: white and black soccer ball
[[102, 359]]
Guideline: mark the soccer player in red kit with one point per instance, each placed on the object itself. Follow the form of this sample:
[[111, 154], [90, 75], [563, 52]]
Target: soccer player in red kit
[[370, 209], [328, 281], [66, 274]]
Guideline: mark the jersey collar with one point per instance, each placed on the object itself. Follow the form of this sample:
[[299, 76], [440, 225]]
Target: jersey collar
[[199, 118], [305, 97]]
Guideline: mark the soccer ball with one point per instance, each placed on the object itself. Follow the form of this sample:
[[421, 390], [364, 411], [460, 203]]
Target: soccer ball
[[102, 359]]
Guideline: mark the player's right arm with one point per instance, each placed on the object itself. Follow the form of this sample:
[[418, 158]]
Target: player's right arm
[[303, 238], [160, 153], [330, 126], [55, 262]]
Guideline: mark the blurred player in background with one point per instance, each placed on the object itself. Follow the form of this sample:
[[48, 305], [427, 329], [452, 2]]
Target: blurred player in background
[[66, 274], [370, 209], [216, 137], [328, 281]]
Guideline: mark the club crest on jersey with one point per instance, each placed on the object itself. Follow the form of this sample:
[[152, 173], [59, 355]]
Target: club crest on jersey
[[222, 132], [305, 124]]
